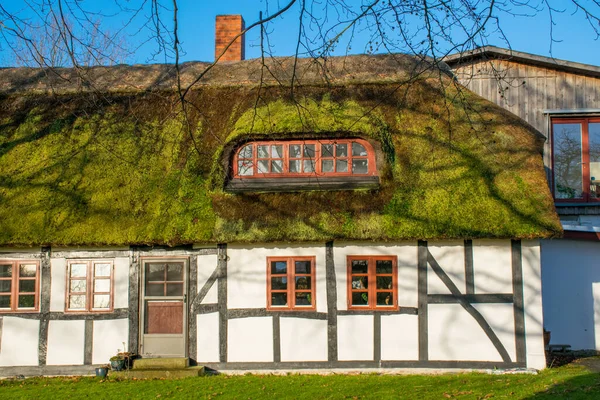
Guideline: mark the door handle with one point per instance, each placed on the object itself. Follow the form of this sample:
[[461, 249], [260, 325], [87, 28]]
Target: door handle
[[185, 299]]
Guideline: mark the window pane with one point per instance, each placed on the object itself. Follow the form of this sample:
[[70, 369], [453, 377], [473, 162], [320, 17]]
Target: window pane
[[245, 168], [341, 150], [360, 266], [341, 165], [156, 289], [385, 299], [102, 301], [263, 152], [309, 165], [77, 302], [303, 283], [4, 301], [279, 283], [278, 299], [309, 150], [263, 166], [5, 286], [155, 272], [26, 286], [594, 139], [327, 165], [26, 301], [358, 149], [295, 150], [27, 271], [383, 267], [5, 271], [277, 151], [294, 165], [246, 151], [302, 267], [303, 299], [277, 166], [102, 285], [78, 270], [78, 285], [360, 282], [175, 289], [278, 267], [326, 150], [175, 272], [384, 282], [360, 299], [360, 166], [567, 161], [102, 270]]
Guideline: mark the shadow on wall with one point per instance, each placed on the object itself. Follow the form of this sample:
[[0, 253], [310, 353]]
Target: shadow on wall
[[571, 292]]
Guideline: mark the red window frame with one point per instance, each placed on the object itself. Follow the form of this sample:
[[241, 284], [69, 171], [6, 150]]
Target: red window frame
[[371, 289], [585, 159], [90, 291], [290, 275], [252, 161], [15, 292]]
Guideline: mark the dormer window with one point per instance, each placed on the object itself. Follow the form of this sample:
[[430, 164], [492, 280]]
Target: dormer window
[[305, 158], [304, 165]]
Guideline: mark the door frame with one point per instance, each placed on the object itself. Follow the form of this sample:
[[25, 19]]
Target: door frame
[[141, 305]]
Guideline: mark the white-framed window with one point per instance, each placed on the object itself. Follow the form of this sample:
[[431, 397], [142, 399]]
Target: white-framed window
[[90, 286]]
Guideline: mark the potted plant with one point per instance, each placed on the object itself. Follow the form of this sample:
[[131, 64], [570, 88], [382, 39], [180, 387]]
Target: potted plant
[[120, 361], [102, 371]]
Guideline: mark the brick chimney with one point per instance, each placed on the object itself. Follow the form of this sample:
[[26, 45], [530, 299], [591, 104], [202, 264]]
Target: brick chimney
[[226, 28]]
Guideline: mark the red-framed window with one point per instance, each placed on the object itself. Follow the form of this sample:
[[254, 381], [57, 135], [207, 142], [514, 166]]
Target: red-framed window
[[19, 286], [576, 159], [291, 283], [296, 158], [372, 282], [89, 286]]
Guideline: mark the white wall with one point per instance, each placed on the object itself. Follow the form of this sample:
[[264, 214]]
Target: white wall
[[570, 274], [303, 339], [109, 337], [66, 342], [20, 340], [207, 264], [247, 273], [207, 346], [250, 339]]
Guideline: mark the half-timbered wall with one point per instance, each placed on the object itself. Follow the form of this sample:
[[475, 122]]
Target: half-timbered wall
[[462, 304]]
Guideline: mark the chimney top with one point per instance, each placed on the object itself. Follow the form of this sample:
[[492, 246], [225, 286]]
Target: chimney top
[[227, 27]]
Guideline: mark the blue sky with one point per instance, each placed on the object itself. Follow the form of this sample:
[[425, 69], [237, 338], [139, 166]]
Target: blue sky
[[197, 22]]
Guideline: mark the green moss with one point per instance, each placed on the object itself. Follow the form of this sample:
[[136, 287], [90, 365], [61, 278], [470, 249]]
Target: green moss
[[74, 172]]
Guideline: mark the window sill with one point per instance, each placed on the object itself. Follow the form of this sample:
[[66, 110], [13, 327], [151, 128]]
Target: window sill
[[241, 185]]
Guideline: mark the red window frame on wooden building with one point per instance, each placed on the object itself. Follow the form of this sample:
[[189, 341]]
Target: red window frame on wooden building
[[294, 283], [302, 158], [576, 159], [17, 279], [84, 282], [372, 282]]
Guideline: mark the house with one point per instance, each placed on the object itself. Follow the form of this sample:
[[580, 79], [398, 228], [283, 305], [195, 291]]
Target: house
[[376, 216], [561, 100]]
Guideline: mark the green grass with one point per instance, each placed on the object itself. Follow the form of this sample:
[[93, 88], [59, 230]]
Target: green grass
[[571, 381]]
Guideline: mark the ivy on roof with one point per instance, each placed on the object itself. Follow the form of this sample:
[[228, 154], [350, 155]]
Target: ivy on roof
[[77, 169]]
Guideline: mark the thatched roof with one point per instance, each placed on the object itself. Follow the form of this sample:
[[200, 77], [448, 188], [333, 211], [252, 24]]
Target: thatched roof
[[112, 161]]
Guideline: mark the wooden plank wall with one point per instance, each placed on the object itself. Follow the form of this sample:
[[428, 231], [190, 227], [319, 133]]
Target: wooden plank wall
[[527, 90]]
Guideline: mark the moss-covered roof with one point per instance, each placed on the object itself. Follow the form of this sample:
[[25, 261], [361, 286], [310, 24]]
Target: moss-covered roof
[[117, 167]]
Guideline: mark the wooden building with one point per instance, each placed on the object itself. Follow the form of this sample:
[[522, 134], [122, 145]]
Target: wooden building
[[561, 100]]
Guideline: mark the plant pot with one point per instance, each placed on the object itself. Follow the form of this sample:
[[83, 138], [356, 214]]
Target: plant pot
[[117, 365], [101, 372]]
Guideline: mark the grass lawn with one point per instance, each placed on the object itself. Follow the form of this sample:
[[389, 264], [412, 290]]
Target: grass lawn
[[570, 381]]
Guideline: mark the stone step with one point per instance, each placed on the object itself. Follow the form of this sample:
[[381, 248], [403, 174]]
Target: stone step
[[157, 373], [161, 363]]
